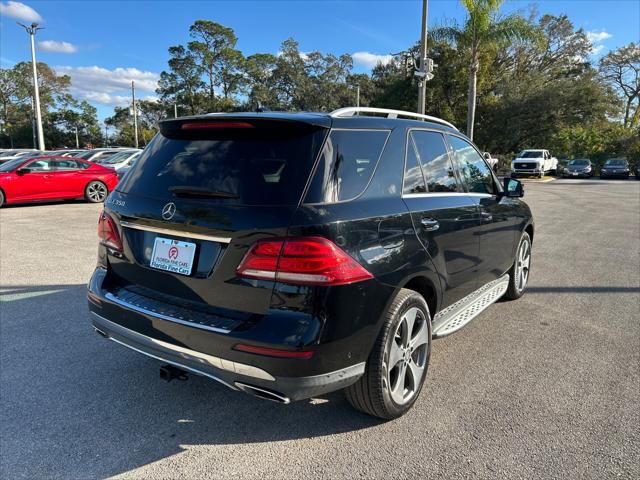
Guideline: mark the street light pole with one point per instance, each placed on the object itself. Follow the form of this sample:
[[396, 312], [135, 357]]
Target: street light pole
[[36, 92], [135, 111], [357, 95], [422, 85], [175, 110], [77, 142]]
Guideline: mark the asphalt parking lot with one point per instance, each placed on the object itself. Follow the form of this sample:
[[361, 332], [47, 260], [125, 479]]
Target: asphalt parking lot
[[544, 387]]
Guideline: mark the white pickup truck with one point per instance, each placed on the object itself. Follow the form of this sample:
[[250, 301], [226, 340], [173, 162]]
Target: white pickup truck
[[534, 162]]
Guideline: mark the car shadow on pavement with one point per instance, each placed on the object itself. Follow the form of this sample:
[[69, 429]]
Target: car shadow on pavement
[[42, 203], [75, 405]]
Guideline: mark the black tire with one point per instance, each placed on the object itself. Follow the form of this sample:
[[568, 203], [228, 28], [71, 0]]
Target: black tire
[[96, 192], [516, 290], [372, 393], [1, 198]]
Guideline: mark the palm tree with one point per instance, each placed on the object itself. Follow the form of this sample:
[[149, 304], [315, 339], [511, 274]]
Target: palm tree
[[483, 28]]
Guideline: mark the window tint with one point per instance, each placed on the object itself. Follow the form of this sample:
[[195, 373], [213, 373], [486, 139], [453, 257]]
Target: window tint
[[85, 155], [413, 179], [67, 164], [346, 164], [40, 165], [435, 161], [103, 156], [475, 172], [267, 165]]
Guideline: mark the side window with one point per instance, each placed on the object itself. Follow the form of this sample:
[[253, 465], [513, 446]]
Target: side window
[[41, 165], [413, 179], [66, 164], [346, 165], [475, 172], [434, 158]]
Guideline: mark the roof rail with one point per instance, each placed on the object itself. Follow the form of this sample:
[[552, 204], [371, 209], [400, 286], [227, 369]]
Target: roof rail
[[352, 111]]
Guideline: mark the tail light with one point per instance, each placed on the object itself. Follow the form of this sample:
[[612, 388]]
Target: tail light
[[303, 260], [108, 232]]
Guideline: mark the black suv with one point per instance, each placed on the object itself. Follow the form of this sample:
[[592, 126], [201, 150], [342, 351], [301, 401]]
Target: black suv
[[290, 255]]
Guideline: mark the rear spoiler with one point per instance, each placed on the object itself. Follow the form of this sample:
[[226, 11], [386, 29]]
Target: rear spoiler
[[245, 121]]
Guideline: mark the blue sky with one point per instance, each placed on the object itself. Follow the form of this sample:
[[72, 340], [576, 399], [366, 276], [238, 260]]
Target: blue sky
[[103, 45]]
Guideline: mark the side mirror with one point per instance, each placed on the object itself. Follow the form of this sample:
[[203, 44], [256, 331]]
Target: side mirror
[[23, 170], [513, 188]]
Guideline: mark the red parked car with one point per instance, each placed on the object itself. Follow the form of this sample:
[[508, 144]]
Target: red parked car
[[54, 178]]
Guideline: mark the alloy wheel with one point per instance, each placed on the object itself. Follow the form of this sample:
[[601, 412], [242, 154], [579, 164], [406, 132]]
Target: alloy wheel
[[96, 192], [407, 356], [523, 263]]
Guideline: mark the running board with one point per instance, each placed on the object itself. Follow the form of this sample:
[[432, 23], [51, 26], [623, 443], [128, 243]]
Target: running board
[[456, 316]]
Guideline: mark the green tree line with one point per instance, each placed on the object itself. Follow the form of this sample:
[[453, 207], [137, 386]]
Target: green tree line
[[62, 114], [512, 82]]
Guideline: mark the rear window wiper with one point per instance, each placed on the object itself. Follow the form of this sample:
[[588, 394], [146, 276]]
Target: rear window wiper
[[202, 192]]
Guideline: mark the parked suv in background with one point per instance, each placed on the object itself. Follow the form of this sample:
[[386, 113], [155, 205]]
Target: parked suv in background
[[534, 162], [290, 255]]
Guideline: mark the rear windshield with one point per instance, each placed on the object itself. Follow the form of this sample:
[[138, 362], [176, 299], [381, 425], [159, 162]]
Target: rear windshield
[[260, 165]]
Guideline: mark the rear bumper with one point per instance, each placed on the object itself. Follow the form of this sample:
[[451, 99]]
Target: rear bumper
[[232, 374], [209, 352]]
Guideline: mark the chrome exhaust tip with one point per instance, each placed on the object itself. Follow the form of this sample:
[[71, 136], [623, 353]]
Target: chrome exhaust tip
[[263, 393]]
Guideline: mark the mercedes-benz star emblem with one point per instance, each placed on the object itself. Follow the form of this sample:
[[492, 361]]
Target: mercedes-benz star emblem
[[168, 211]]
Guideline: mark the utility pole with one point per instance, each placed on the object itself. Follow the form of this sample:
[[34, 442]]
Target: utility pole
[[106, 135], [135, 111], [357, 95], [426, 64], [36, 93], [175, 110], [33, 126], [77, 142]]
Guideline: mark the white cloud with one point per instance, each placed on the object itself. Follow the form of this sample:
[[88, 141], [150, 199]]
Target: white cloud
[[370, 60], [55, 46], [20, 11], [109, 87], [597, 37]]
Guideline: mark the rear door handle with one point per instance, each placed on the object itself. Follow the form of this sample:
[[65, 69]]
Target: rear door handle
[[430, 224]]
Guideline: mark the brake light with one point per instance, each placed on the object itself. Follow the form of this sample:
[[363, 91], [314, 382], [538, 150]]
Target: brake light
[[108, 232], [213, 125], [303, 260]]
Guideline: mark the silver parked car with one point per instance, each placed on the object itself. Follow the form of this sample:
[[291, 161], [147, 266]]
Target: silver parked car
[[121, 159]]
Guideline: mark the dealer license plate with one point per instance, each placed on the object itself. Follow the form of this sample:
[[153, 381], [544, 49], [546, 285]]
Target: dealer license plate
[[173, 255]]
